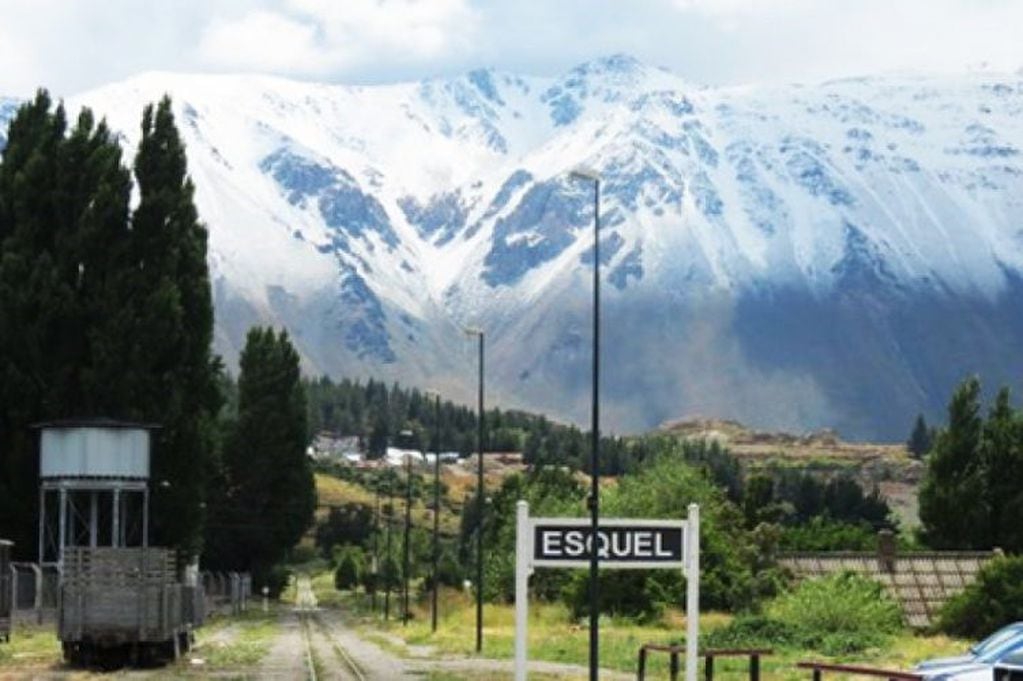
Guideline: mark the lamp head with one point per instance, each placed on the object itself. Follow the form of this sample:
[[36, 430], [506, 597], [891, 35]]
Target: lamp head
[[472, 331], [585, 173]]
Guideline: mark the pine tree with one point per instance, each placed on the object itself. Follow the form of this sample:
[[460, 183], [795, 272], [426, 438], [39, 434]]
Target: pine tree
[[103, 312], [920, 439], [954, 507], [268, 496], [63, 228], [173, 309], [31, 290], [1002, 456]]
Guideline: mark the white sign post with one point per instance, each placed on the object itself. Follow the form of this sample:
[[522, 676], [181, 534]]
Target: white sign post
[[620, 543]]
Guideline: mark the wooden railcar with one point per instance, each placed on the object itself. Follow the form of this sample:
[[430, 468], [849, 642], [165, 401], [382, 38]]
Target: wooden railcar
[[125, 600]]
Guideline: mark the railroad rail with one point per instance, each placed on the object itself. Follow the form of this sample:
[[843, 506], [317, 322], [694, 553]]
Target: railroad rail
[[312, 624]]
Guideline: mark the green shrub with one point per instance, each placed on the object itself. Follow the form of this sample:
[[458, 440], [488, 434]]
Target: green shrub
[[621, 592], [824, 534], [838, 614], [275, 579], [994, 600], [349, 569], [752, 631]]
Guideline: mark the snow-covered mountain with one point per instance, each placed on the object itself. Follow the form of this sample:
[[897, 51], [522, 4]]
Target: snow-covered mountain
[[838, 254]]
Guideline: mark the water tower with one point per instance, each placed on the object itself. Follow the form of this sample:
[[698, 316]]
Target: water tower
[[94, 485]]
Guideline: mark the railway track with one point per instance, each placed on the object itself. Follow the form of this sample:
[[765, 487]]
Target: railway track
[[314, 627]]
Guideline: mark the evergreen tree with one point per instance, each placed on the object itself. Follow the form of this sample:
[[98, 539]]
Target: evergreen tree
[[170, 349], [920, 439], [268, 495], [350, 569], [953, 504], [33, 292], [1002, 456], [64, 233]]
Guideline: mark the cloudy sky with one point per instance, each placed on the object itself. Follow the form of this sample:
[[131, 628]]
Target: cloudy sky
[[73, 45]]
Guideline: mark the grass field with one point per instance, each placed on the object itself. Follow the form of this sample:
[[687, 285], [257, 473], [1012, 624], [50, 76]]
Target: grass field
[[555, 637]]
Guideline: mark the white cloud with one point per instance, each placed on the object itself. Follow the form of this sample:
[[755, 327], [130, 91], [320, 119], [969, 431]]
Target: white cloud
[[72, 45], [317, 37], [263, 41]]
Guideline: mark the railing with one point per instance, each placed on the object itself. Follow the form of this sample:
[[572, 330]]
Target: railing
[[34, 591], [819, 668], [227, 591], [754, 655]]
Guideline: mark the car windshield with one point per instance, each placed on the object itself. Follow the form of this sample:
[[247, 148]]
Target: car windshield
[[1013, 659], [996, 641]]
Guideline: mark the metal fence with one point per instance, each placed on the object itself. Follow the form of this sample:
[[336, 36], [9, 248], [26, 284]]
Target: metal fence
[[227, 591], [34, 592]]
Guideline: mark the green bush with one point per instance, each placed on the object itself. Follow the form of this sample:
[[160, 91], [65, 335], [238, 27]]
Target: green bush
[[622, 592], [349, 569], [752, 631], [824, 534], [838, 614], [994, 600], [275, 579]]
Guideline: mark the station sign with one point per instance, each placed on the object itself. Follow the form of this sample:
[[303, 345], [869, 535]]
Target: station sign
[[621, 543]]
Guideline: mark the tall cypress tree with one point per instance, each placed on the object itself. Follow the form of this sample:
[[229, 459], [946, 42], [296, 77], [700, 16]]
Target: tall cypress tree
[[63, 220], [103, 313], [173, 309], [31, 291], [919, 442], [267, 497]]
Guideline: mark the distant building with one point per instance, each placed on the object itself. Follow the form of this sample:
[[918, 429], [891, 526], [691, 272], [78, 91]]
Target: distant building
[[445, 457], [398, 457], [327, 445]]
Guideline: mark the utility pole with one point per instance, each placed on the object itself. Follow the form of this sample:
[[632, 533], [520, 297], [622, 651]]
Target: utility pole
[[480, 504], [387, 574], [408, 526], [376, 544], [436, 514], [594, 498]]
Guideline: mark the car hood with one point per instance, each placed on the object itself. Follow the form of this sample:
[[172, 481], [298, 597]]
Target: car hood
[[972, 671], [944, 662]]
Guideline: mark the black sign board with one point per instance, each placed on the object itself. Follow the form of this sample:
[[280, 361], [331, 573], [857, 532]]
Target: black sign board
[[560, 542]]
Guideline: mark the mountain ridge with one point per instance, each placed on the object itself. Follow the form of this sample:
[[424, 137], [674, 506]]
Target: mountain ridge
[[764, 248]]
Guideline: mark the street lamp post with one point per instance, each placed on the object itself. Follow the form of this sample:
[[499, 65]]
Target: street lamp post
[[594, 499], [436, 511], [408, 526], [479, 497], [387, 553], [376, 545]]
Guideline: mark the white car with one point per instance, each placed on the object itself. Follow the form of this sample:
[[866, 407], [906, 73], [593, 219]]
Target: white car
[[976, 665]]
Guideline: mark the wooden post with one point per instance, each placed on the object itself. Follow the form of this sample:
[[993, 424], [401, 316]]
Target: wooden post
[[674, 665], [754, 667], [708, 668], [641, 670]]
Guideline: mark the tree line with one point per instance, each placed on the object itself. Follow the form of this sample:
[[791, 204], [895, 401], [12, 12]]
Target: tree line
[[106, 311]]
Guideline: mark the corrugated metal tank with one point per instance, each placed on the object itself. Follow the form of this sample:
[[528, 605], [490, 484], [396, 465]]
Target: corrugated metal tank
[[94, 452]]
